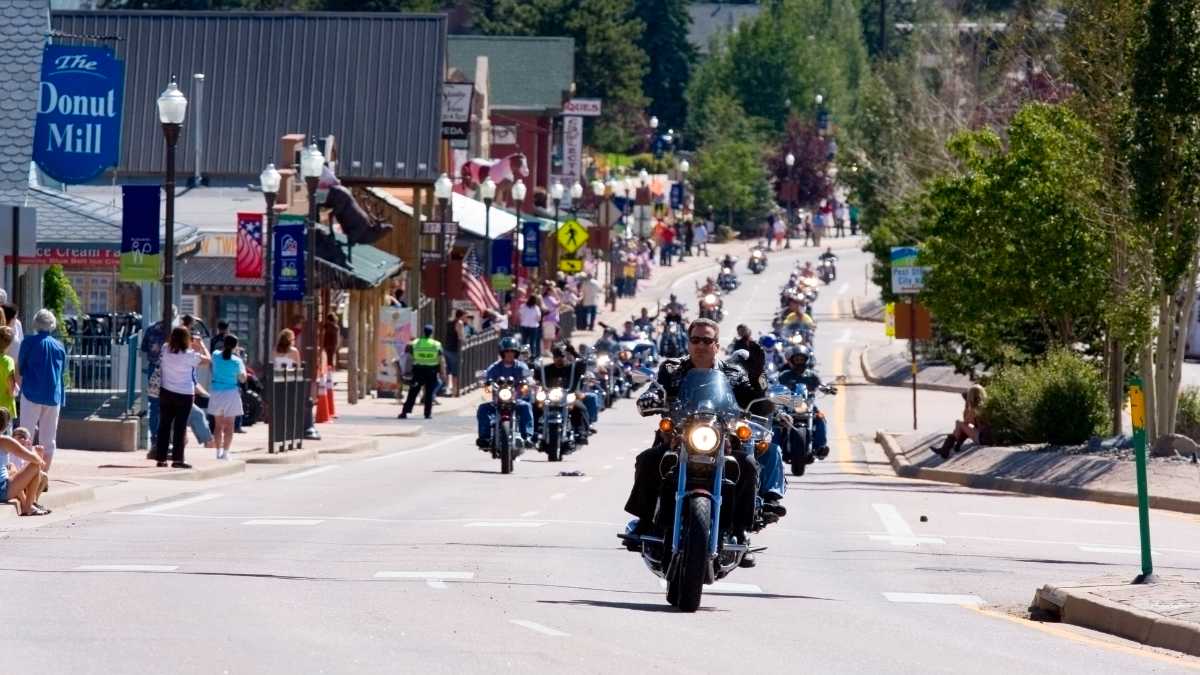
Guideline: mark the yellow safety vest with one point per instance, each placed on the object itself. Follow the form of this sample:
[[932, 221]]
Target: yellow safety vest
[[426, 352]]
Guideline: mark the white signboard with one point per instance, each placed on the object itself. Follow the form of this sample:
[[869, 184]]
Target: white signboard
[[908, 279], [504, 135], [572, 138], [456, 102], [585, 107]]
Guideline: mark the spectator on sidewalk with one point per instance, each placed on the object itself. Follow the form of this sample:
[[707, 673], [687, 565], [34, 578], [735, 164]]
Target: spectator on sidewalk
[[10, 319], [286, 354], [217, 343], [455, 336], [184, 353], [971, 427], [589, 301], [15, 464], [40, 366], [529, 318], [427, 360], [153, 339], [331, 334], [689, 238], [8, 375], [551, 303], [225, 403], [668, 247], [700, 232], [24, 484]]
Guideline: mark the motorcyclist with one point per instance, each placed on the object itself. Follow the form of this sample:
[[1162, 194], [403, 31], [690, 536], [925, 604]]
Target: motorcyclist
[[745, 340], [507, 366], [629, 333], [703, 347], [795, 312], [798, 372], [829, 254], [645, 322], [807, 271], [728, 261], [673, 311], [569, 375], [674, 341], [607, 342]]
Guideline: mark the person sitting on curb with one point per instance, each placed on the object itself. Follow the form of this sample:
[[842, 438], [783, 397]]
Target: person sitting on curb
[[25, 438], [23, 484], [971, 427]]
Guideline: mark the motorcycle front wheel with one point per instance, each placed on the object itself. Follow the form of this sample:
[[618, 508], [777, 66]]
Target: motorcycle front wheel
[[553, 443], [800, 454], [506, 450], [691, 569]]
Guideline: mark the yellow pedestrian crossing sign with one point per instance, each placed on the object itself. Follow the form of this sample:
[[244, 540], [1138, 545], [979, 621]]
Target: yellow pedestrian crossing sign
[[572, 236], [570, 265]]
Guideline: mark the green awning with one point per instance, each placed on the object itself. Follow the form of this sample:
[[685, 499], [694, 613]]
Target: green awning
[[359, 267]]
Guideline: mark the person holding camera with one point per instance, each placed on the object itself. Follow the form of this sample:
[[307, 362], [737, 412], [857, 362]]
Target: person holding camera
[[184, 353]]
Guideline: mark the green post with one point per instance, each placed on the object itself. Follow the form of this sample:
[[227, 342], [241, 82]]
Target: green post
[[1137, 409]]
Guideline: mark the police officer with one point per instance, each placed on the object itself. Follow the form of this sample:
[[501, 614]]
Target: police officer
[[428, 361]]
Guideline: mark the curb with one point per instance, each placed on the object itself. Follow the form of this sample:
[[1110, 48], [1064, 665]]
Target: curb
[[207, 473], [860, 317], [873, 378], [303, 456], [1079, 607], [357, 446], [906, 469], [54, 499]]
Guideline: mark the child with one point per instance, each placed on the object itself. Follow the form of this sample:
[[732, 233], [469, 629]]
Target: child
[[24, 484]]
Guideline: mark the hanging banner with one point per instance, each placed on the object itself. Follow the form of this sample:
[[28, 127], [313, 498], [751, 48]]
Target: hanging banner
[[502, 271], [78, 132], [249, 246], [676, 196], [572, 150], [289, 258], [531, 253], [141, 258]]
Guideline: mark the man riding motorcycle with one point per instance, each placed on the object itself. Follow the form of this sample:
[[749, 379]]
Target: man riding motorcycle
[[728, 261], [645, 322], [568, 375], [507, 366], [829, 257], [703, 347], [629, 333], [798, 372], [673, 311], [673, 343]]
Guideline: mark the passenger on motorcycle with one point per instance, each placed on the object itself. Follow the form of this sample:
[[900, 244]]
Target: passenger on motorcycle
[[568, 374], [798, 372], [703, 347], [506, 366], [807, 271]]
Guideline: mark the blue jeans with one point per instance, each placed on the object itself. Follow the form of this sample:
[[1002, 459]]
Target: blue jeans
[[199, 424], [771, 481], [152, 405], [820, 431], [483, 418], [587, 317], [591, 401]]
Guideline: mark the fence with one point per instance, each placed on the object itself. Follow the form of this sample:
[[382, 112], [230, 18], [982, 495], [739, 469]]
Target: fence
[[477, 353], [102, 363], [287, 405], [566, 323]]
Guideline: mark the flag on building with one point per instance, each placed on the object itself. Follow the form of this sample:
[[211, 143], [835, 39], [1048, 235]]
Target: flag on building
[[477, 289], [249, 246]]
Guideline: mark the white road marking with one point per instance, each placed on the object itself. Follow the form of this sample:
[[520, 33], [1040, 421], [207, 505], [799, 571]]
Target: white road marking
[[844, 338], [844, 288], [308, 472], [607, 467], [436, 584], [126, 568], [1123, 550], [530, 514], [558, 495], [436, 576], [431, 446], [585, 479], [539, 628], [898, 531], [180, 503], [516, 524], [934, 598], [998, 540], [620, 458], [1079, 521], [284, 521]]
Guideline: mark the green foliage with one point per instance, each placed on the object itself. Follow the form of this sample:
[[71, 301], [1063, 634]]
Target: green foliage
[[1059, 400], [1188, 417], [671, 55], [729, 178], [609, 63], [58, 294]]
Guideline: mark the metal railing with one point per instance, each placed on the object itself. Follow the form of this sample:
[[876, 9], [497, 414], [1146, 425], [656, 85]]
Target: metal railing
[[566, 323], [101, 363], [287, 401], [477, 353]]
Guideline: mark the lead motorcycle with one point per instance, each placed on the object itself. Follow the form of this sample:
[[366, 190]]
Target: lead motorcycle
[[758, 260], [711, 307], [505, 444], [693, 542]]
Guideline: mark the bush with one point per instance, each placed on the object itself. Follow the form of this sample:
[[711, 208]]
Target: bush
[[1059, 400], [1187, 421]]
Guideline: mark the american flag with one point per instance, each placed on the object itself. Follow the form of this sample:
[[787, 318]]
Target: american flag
[[479, 292], [249, 246]]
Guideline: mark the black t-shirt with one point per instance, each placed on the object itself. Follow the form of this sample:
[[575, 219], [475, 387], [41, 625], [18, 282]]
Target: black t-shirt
[[451, 344]]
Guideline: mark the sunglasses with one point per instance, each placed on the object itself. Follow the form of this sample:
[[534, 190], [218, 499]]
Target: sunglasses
[[696, 340]]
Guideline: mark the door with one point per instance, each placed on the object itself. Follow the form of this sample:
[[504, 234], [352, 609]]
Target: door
[[242, 314]]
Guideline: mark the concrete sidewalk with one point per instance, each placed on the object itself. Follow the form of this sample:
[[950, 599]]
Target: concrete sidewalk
[[891, 366], [1165, 613], [1097, 476]]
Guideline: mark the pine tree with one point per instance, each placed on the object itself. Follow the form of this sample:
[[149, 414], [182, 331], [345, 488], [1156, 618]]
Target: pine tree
[[665, 42]]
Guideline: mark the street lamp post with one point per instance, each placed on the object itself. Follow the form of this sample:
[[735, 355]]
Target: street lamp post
[[518, 197], [614, 186], [556, 196], [576, 196], [443, 189], [269, 180], [312, 163], [172, 108], [487, 191], [790, 161], [643, 179]]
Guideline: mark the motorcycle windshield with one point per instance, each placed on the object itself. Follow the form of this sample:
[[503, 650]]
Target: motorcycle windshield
[[706, 390]]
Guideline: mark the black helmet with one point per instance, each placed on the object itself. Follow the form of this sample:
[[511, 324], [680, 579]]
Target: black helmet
[[510, 344]]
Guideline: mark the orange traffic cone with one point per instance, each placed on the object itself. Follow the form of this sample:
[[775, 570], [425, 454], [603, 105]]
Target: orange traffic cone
[[329, 393], [322, 402]]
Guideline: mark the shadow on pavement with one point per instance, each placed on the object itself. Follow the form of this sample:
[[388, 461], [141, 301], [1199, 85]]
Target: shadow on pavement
[[636, 606]]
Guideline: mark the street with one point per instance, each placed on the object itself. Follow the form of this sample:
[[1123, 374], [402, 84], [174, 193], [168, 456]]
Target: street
[[423, 558]]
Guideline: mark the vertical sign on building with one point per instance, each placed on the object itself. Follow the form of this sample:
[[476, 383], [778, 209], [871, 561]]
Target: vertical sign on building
[[141, 257], [531, 252], [289, 258], [572, 139], [249, 263], [78, 132]]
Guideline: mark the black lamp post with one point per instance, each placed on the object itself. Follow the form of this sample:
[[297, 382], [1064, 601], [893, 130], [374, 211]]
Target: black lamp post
[[443, 189], [487, 192], [172, 108], [312, 163], [269, 180], [790, 161]]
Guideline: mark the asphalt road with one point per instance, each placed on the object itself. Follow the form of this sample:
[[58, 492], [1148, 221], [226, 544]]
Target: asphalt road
[[425, 559]]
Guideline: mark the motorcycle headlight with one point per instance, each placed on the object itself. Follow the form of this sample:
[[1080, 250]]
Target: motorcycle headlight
[[726, 271], [710, 299], [540, 396], [703, 438], [602, 361], [802, 407], [556, 395], [571, 398], [626, 355], [796, 339], [505, 394]]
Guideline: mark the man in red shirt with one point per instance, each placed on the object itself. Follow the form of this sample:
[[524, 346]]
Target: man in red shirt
[[668, 246]]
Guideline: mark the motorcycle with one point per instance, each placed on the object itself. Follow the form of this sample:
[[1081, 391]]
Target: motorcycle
[[673, 343], [727, 280], [252, 402], [758, 261], [694, 543], [800, 410], [827, 270], [556, 434], [504, 393], [711, 307], [606, 378]]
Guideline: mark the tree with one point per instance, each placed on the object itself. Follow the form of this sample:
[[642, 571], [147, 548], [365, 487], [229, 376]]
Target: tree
[[58, 294], [671, 57], [609, 63], [730, 177], [1164, 161], [809, 175]]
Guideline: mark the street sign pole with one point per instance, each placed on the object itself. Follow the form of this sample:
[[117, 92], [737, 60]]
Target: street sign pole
[[1137, 413], [912, 344]]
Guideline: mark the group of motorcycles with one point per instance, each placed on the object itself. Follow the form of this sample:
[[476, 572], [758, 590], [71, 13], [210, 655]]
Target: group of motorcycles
[[693, 541]]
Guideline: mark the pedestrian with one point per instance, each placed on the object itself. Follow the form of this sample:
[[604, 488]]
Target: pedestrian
[[11, 320], [551, 303], [40, 367], [843, 217], [25, 484], [331, 333], [153, 339], [780, 230], [701, 235], [668, 246], [455, 336], [589, 301], [217, 343], [689, 238], [529, 320], [184, 353], [8, 375], [853, 220], [286, 354], [427, 360], [972, 427], [225, 401]]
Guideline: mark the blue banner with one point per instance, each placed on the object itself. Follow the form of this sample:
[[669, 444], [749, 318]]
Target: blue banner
[[78, 133], [288, 268], [677, 196], [140, 245], [531, 253], [502, 257]]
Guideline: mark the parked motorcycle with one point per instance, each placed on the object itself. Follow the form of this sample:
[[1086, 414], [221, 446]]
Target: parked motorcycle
[[693, 542]]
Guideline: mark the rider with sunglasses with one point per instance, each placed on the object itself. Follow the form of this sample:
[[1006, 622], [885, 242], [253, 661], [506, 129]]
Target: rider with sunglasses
[[703, 347]]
